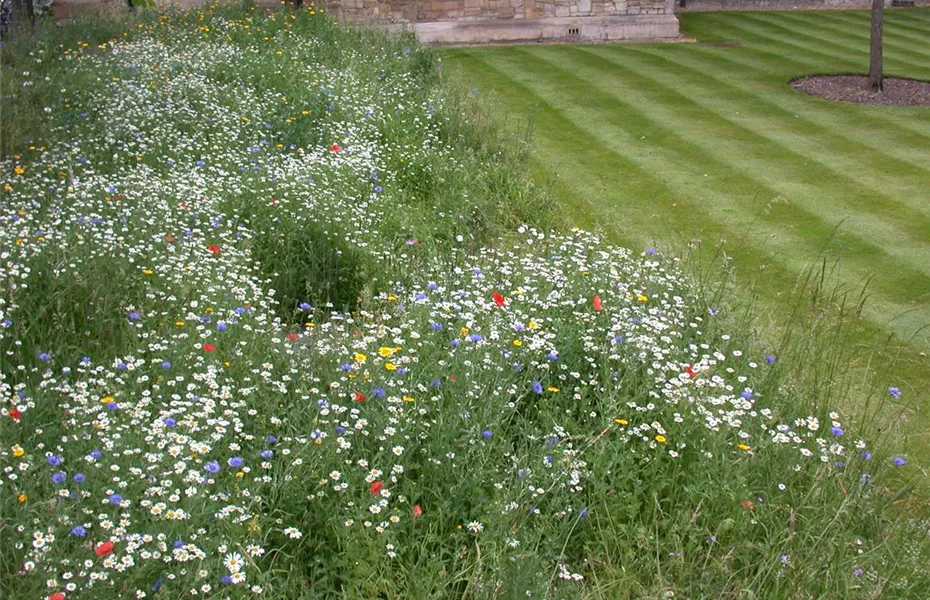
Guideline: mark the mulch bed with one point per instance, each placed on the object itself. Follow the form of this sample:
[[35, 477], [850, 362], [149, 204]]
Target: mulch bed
[[897, 91]]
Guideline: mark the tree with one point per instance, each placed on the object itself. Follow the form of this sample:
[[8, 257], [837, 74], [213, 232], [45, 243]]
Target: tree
[[875, 51], [22, 12]]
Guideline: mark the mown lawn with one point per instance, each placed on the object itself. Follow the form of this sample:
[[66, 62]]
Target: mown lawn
[[668, 143]]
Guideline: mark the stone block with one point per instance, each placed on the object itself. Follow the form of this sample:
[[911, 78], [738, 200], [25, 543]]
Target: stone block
[[584, 6], [562, 10]]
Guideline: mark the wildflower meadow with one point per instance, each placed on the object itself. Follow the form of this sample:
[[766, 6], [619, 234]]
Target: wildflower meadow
[[282, 315]]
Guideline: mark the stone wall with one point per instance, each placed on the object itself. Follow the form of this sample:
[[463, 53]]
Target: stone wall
[[506, 21], [411, 11]]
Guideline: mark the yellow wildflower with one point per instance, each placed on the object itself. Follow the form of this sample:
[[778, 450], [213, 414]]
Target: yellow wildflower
[[661, 439], [17, 450], [360, 358], [385, 352]]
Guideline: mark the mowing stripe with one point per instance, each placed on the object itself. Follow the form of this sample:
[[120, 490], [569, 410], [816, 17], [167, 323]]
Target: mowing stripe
[[911, 190], [808, 47], [902, 146], [680, 151], [812, 41], [795, 173], [893, 26], [894, 46]]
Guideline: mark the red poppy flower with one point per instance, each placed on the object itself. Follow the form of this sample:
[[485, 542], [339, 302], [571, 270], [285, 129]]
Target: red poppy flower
[[376, 487], [359, 397], [209, 347], [56, 596], [748, 504], [452, 377], [336, 148], [691, 372], [15, 414], [596, 303], [169, 238], [213, 248], [417, 511], [104, 549], [498, 299], [293, 336]]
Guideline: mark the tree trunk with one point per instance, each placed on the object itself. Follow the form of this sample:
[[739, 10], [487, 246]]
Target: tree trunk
[[875, 52], [22, 13]]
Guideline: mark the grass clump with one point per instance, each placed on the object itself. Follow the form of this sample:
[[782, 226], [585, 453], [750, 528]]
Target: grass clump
[[272, 328]]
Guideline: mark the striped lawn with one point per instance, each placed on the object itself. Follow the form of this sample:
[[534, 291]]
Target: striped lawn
[[667, 143]]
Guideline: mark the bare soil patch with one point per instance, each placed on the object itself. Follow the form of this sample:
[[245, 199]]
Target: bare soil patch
[[897, 91]]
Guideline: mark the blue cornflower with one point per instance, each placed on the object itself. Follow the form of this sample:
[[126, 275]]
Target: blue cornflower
[[746, 395], [475, 337], [134, 316], [166, 365], [112, 406], [866, 455], [456, 343], [436, 326], [517, 367], [200, 163], [221, 326], [212, 467], [552, 355], [303, 306], [266, 454], [158, 583], [436, 383], [487, 434], [402, 371], [431, 285], [340, 429], [378, 392], [583, 513], [78, 531], [345, 367], [537, 387], [895, 392], [78, 478], [651, 251], [712, 311], [206, 319], [378, 189], [420, 296], [177, 543], [59, 478], [169, 422], [44, 357], [836, 431], [235, 462], [115, 499], [899, 461], [226, 579], [271, 439], [618, 339], [96, 455], [53, 460], [547, 460]]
